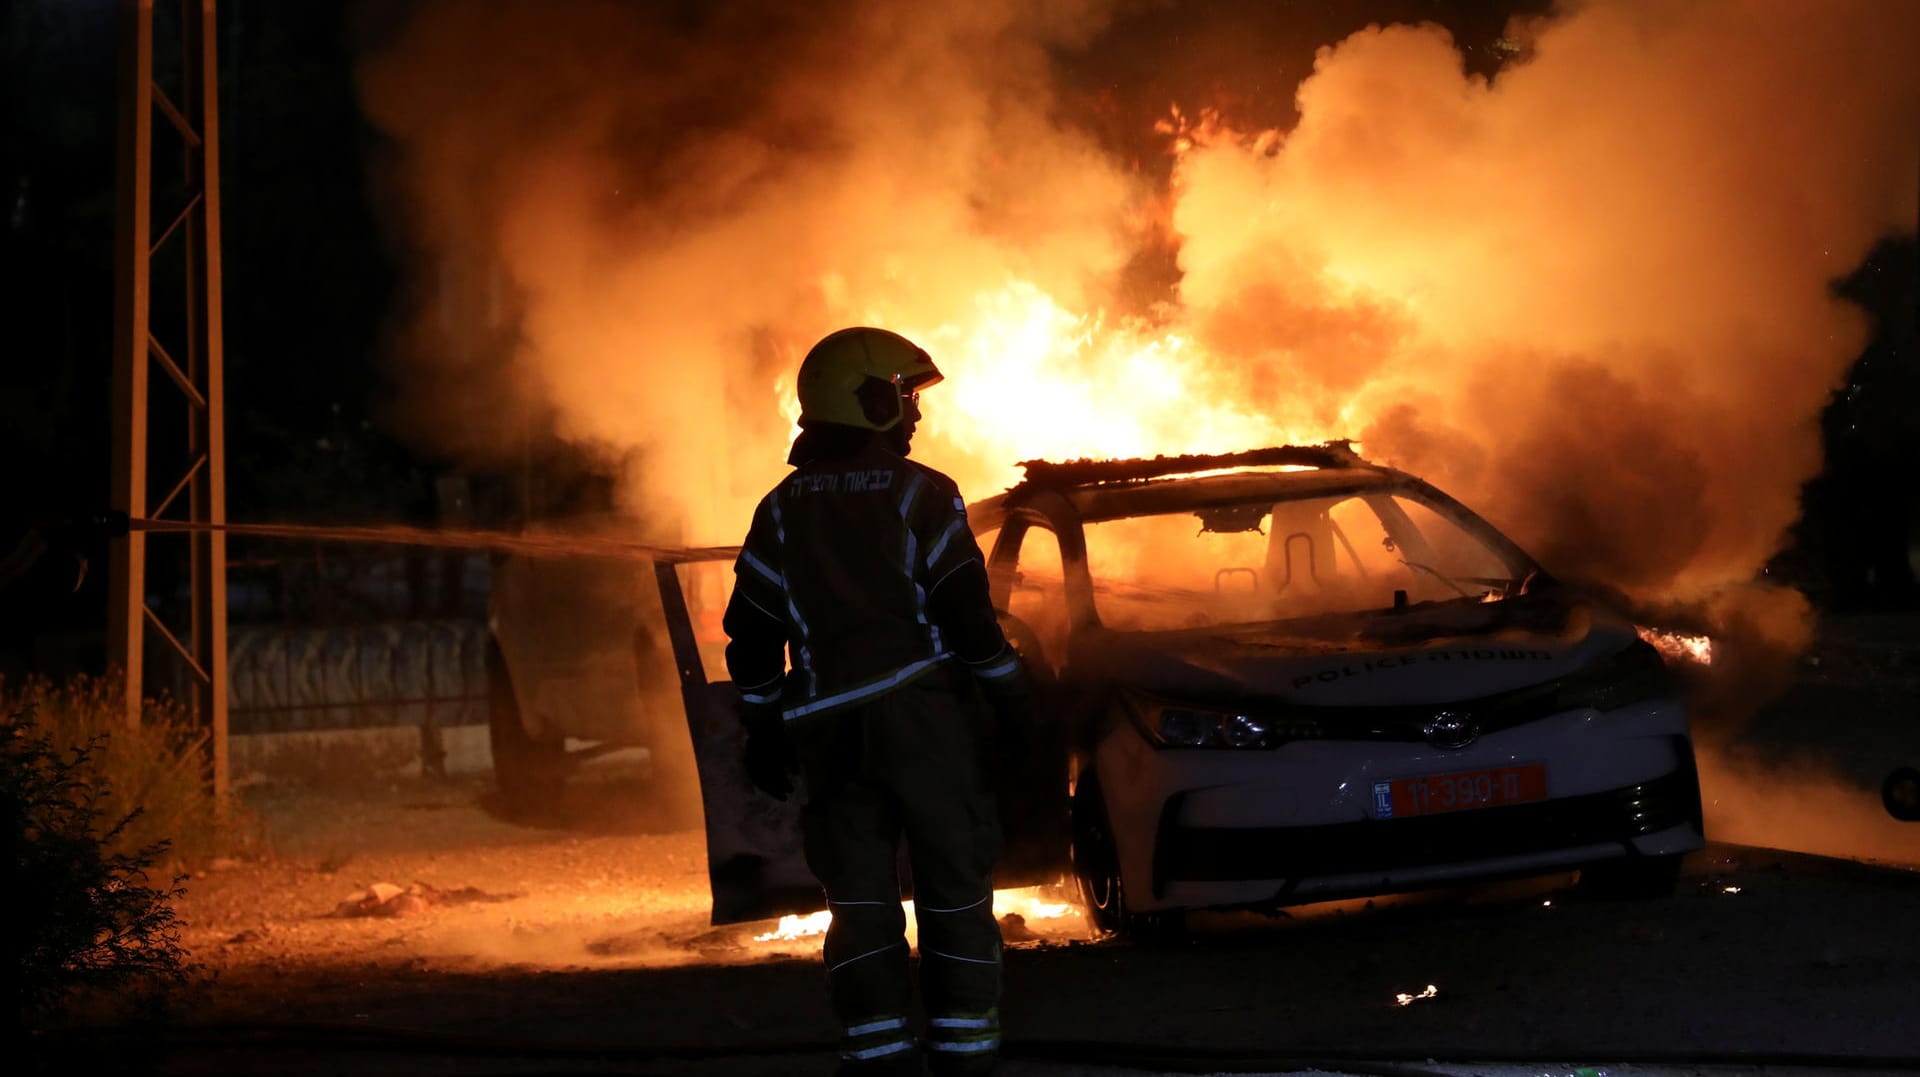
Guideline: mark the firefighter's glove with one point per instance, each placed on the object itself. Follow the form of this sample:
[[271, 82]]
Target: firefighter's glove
[[769, 757]]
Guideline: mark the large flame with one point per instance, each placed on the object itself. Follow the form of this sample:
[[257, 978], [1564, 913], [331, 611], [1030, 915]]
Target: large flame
[[1036, 380]]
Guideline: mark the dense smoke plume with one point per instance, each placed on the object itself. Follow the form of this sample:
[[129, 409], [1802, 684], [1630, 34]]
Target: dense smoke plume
[[1592, 294], [1589, 295]]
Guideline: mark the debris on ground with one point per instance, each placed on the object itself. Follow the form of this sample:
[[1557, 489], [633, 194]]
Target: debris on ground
[[1013, 928], [387, 899]]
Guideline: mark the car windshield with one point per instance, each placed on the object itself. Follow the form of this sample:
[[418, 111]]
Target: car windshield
[[1266, 561]]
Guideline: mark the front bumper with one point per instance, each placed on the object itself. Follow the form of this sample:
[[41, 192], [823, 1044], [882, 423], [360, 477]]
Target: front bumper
[[1383, 847], [1218, 828]]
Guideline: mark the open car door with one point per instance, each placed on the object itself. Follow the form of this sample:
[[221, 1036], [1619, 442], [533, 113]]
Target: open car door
[[754, 861]]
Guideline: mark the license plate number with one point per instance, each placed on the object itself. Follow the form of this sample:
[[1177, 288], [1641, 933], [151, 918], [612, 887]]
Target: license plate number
[[1460, 791]]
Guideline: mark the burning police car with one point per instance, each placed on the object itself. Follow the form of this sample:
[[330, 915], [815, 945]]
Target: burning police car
[[1272, 677], [1290, 675]]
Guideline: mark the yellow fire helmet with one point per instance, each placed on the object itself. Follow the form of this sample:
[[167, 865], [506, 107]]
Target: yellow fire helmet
[[861, 377]]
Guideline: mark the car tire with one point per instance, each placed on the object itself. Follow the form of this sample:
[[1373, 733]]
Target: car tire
[[1632, 878], [529, 770], [1096, 868]]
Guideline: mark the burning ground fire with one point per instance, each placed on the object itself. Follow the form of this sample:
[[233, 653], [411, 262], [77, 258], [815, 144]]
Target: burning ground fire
[[1027, 903]]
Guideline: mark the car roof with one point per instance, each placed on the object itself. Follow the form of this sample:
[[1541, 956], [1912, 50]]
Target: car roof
[[1111, 489]]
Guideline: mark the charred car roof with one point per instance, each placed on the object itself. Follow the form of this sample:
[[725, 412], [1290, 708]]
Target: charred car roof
[[1111, 489]]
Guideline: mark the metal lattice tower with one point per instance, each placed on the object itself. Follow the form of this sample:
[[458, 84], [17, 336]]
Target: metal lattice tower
[[192, 362]]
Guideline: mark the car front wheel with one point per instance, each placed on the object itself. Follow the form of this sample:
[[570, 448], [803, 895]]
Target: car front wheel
[[1096, 866]]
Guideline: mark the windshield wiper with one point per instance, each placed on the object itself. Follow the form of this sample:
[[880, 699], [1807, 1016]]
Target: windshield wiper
[[1438, 575]]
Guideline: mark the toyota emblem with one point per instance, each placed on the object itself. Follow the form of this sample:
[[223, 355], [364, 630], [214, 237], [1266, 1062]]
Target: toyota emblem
[[1450, 729]]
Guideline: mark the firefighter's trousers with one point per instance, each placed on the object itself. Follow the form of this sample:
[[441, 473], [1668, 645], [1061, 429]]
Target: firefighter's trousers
[[910, 764]]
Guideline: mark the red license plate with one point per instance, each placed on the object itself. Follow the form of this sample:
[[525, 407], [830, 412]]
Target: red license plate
[[1460, 791]]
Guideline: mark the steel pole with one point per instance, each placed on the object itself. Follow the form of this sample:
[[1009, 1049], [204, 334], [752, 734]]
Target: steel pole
[[126, 610], [207, 495]]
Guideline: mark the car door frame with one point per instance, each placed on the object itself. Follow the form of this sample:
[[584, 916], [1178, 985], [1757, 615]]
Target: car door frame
[[1052, 512]]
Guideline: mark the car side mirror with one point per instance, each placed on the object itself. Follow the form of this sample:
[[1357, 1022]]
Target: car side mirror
[[1901, 794]]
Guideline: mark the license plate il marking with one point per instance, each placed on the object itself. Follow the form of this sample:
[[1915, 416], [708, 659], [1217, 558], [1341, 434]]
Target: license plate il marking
[[1459, 791]]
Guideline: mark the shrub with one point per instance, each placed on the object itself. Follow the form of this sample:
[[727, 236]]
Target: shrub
[[84, 923], [150, 782]]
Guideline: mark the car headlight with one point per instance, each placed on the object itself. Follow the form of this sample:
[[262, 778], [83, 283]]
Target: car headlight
[[1636, 674], [1243, 731], [1181, 728], [1173, 726]]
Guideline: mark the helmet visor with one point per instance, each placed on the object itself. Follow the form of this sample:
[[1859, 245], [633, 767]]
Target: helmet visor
[[911, 384]]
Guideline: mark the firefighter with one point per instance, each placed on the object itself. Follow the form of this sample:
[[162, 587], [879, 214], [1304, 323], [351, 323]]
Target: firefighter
[[859, 632]]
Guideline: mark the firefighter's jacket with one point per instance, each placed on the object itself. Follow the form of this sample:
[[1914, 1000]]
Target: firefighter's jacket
[[859, 575]]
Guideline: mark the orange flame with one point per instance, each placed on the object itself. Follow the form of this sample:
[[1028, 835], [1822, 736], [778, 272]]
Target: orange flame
[[1044, 382], [1678, 646]]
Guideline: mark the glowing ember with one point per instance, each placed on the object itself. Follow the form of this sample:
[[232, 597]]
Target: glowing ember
[[1027, 903], [1679, 646], [1404, 999]]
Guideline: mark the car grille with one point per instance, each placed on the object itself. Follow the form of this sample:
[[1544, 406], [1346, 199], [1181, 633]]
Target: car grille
[[1222, 854]]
